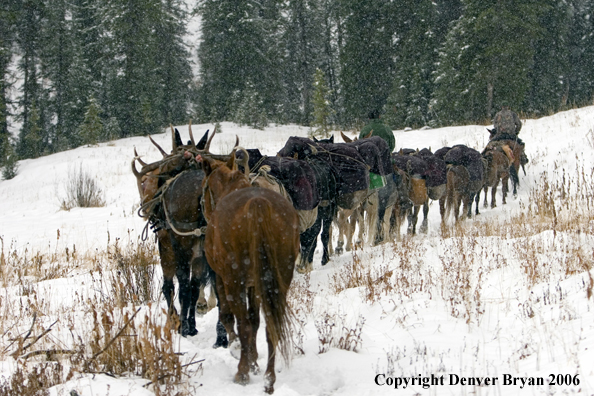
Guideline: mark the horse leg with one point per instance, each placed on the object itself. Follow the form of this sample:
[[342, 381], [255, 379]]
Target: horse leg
[[270, 375], [226, 317], [202, 304], [327, 218], [308, 240], [412, 219], [245, 330], [485, 201], [254, 320], [168, 267], [340, 226], [504, 188], [493, 194], [425, 223], [477, 200], [221, 340], [185, 296]]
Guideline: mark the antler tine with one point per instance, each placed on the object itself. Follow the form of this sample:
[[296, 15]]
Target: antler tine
[[236, 142], [191, 135], [137, 157], [207, 147], [173, 144], [163, 153]]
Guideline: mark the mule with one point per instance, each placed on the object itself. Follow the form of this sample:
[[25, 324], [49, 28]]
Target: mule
[[170, 194], [252, 242], [498, 164]]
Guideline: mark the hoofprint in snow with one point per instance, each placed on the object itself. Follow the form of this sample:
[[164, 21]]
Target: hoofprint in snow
[[440, 315]]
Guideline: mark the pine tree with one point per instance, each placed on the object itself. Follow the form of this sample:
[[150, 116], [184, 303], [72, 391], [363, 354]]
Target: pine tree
[[31, 102], [408, 103], [9, 160], [30, 143], [549, 91], [7, 23], [321, 105], [486, 59], [366, 59], [239, 50], [56, 60], [303, 41], [91, 130], [172, 59]]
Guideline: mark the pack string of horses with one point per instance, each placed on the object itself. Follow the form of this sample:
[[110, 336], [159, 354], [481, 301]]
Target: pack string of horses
[[244, 222]]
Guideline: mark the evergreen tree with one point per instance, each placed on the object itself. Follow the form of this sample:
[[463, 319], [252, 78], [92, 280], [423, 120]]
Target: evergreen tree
[[9, 160], [408, 104], [29, 25], [303, 40], [130, 73], [7, 23], [91, 130], [56, 60], [239, 50], [31, 140], [321, 106], [486, 59], [366, 57], [581, 53], [549, 76], [172, 59]]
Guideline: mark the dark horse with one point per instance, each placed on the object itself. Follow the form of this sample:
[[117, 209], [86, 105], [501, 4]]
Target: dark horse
[[170, 192], [252, 242]]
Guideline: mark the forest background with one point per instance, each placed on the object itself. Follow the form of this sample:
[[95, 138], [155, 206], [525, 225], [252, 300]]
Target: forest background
[[76, 72]]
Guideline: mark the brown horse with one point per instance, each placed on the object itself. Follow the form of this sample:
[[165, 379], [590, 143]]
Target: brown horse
[[252, 242], [498, 164]]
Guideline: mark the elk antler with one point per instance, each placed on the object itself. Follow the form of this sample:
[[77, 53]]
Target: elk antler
[[173, 142], [137, 157], [158, 147], [207, 147], [191, 135]]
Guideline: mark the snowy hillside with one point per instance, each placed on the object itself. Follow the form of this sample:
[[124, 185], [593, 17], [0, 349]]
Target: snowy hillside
[[500, 297]]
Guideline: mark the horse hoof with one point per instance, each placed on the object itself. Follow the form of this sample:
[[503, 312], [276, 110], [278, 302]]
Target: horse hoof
[[192, 332], [242, 379], [338, 251], [255, 369], [221, 342], [201, 309], [269, 389]]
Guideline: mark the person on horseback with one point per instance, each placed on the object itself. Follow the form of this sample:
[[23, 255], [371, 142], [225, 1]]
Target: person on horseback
[[506, 124], [379, 129]]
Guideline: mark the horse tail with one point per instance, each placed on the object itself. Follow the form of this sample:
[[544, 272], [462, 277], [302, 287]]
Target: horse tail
[[513, 173], [266, 255], [450, 192]]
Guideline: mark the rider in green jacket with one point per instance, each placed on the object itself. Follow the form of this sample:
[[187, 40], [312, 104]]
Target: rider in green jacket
[[379, 129]]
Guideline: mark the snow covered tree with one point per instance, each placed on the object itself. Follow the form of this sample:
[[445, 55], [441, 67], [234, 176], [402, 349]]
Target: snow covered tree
[[91, 130], [367, 64], [239, 50], [415, 54], [321, 105], [486, 59]]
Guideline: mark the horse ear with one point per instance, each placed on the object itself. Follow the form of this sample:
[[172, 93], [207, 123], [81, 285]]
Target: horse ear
[[178, 141], [332, 139], [315, 140], [207, 165], [345, 137], [202, 142], [368, 135]]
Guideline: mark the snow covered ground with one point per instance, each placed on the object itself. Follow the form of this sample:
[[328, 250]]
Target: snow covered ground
[[445, 307]]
